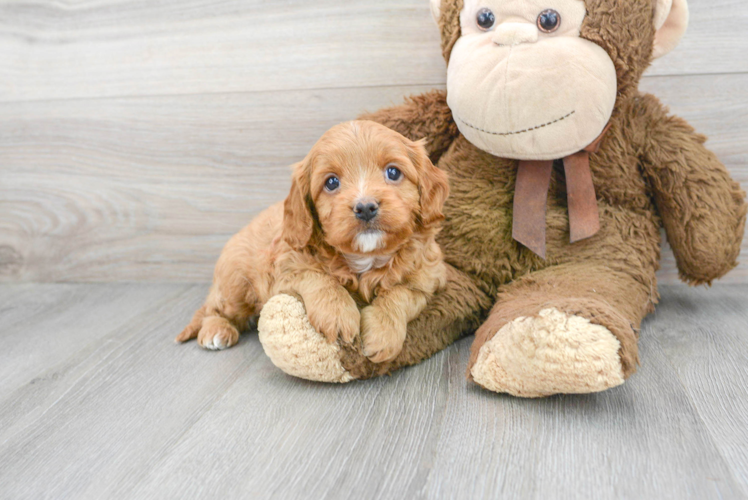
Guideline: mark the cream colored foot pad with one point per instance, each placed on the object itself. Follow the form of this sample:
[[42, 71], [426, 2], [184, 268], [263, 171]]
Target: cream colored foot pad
[[294, 346], [550, 354]]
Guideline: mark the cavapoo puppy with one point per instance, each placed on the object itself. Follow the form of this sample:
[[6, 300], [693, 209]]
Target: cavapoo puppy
[[357, 230]]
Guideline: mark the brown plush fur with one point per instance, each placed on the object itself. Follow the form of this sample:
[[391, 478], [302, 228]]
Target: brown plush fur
[[651, 171], [308, 246]]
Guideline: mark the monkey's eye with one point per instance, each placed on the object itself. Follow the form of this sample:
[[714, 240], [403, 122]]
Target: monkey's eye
[[485, 19], [393, 174], [549, 21], [332, 183]]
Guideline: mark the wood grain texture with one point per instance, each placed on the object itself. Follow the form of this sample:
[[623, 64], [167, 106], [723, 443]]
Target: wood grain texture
[[132, 415], [115, 48], [103, 413], [63, 50], [150, 188], [43, 325], [623, 443], [711, 359]]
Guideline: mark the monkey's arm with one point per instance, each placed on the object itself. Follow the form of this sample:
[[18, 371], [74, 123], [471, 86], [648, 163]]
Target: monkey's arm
[[424, 116], [702, 208]]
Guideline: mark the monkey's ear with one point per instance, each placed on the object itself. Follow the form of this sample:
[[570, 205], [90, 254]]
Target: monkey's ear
[[671, 21], [297, 214], [436, 7], [433, 184]]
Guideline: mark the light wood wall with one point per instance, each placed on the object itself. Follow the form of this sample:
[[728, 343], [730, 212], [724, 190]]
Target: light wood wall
[[136, 137]]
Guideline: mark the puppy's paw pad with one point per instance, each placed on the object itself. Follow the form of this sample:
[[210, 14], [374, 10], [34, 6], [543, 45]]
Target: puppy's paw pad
[[218, 343], [350, 325], [381, 348], [217, 334], [335, 321], [383, 338], [382, 355]]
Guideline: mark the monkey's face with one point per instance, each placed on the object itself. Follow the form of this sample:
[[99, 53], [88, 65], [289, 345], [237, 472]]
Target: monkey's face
[[523, 84]]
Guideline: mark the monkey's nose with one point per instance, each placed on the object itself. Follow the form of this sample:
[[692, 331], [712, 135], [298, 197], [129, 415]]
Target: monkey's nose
[[366, 211], [515, 33]]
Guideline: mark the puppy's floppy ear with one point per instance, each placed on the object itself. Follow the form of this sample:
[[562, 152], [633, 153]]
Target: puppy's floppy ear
[[297, 213], [433, 184]]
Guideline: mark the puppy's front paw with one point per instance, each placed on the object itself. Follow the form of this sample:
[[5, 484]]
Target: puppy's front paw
[[382, 334], [335, 318], [217, 333]]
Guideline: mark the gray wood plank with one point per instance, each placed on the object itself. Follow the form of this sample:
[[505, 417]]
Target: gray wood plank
[[44, 325], [425, 432], [151, 188], [642, 440], [146, 188], [704, 335], [115, 48], [135, 416], [81, 340], [108, 411], [54, 50], [273, 436]]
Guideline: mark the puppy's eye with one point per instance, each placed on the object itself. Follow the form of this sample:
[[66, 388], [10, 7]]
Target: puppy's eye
[[332, 183], [485, 19], [393, 174], [549, 21]]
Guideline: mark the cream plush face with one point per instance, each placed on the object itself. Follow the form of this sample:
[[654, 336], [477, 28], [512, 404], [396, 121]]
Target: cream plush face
[[519, 92]]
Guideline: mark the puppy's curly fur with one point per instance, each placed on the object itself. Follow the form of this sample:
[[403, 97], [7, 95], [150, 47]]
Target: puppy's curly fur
[[317, 245]]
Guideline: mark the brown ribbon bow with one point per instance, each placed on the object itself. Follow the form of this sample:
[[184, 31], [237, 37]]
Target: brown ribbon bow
[[531, 198]]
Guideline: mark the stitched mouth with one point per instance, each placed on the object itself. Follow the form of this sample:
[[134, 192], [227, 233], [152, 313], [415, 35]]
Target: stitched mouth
[[516, 132]]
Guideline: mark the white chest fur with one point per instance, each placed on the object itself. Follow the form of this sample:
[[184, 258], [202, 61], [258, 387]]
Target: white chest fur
[[362, 263]]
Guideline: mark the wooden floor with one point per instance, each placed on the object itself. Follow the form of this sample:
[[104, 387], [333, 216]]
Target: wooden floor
[[96, 401]]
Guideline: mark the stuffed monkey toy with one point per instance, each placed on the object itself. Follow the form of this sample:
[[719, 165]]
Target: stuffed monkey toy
[[562, 174]]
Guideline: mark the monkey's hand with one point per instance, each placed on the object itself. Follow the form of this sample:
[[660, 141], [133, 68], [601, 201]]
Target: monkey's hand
[[702, 208]]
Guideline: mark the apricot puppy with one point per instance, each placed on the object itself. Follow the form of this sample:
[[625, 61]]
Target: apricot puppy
[[356, 231]]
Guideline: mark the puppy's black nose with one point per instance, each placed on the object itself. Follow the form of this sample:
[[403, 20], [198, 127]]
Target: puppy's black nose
[[366, 211]]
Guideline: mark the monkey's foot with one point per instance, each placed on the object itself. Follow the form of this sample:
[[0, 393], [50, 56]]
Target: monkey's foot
[[552, 353], [293, 344]]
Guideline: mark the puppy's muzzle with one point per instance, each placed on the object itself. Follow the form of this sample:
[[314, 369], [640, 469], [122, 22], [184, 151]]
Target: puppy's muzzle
[[366, 211]]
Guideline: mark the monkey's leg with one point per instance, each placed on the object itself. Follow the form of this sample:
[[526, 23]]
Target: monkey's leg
[[296, 348], [570, 328]]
